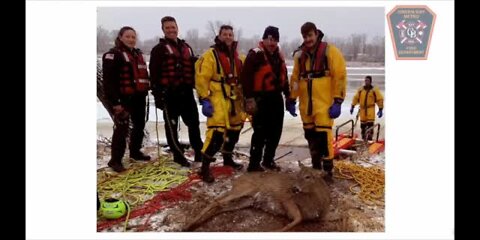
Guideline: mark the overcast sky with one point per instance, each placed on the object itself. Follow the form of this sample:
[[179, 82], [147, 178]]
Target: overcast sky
[[333, 21]]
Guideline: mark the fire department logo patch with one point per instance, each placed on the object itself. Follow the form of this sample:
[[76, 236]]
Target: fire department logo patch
[[411, 28]]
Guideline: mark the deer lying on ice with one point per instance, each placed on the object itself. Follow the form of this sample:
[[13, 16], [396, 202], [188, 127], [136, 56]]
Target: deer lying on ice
[[303, 195]]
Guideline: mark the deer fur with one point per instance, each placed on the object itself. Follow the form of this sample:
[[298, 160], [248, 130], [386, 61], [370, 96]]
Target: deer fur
[[302, 195]]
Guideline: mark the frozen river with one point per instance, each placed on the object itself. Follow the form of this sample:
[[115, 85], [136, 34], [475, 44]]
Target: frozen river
[[355, 77]]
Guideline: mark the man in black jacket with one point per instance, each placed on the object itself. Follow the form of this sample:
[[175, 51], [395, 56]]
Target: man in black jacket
[[126, 85], [173, 79], [264, 79]]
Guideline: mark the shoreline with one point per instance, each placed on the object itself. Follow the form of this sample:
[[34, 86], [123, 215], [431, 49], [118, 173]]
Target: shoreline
[[292, 133]]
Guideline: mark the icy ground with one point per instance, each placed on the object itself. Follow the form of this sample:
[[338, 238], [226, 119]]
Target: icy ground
[[348, 213]]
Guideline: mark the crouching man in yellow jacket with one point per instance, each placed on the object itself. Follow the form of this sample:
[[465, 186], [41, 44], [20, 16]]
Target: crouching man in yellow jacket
[[367, 96], [319, 81], [220, 95]]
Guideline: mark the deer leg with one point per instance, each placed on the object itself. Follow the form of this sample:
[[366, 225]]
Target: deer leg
[[209, 210], [213, 209], [244, 203], [294, 212]]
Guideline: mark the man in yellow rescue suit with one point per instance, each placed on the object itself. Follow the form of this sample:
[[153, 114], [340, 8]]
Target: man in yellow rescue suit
[[319, 81], [367, 96], [220, 95]]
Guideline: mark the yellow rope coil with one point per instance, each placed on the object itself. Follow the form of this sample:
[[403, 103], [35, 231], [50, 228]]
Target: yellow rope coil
[[141, 181], [369, 181]]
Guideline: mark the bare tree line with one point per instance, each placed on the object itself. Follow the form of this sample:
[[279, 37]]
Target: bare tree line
[[356, 47]]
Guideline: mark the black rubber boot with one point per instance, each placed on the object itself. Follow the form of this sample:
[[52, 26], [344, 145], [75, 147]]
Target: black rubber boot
[[254, 165], [180, 159], [116, 161], [119, 144], [205, 169], [139, 156], [116, 165], [316, 164], [255, 168], [198, 156], [271, 165], [228, 161], [228, 146], [310, 135], [328, 168]]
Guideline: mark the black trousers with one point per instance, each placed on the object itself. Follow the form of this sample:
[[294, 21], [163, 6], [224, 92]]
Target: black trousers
[[319, 149], [181, 102], [267, 125], [364, 127], [222, 140], [135, 113]]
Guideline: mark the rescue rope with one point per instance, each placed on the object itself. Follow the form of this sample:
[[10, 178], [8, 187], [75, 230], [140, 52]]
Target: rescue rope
[[139, 183], [162, 199], [128, 216], [169, 126], [356, 119], [369, 181]]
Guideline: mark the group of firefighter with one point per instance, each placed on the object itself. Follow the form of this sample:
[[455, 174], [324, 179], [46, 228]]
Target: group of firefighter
[[231, 89]]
